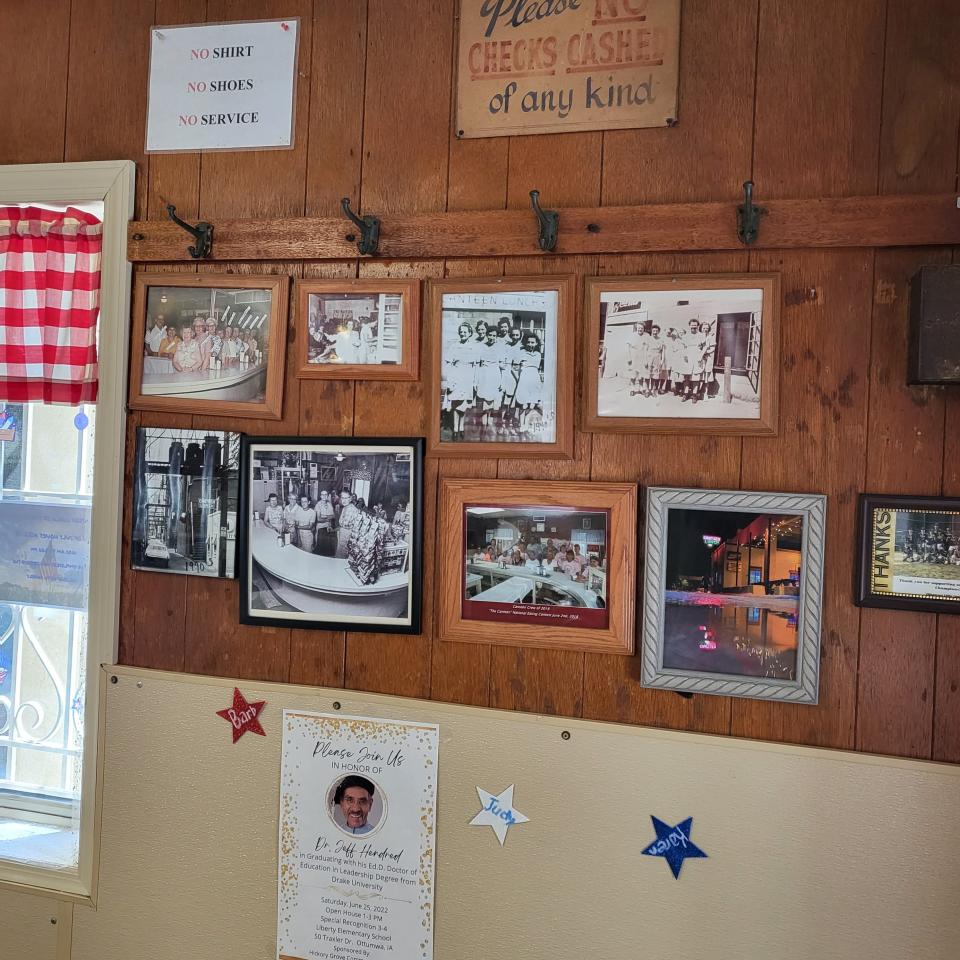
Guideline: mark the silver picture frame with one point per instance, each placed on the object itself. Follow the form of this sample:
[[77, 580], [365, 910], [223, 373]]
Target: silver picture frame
[[803, 687]]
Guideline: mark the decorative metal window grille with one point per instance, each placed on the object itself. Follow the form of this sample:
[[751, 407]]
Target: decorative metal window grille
[[49, 464]]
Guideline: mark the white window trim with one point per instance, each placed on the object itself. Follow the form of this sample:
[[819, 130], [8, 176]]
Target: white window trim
[[112, 183]]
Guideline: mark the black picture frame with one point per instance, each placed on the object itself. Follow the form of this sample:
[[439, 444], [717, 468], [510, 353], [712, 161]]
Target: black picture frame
[[875, 558], [186, 532], [317, 619]]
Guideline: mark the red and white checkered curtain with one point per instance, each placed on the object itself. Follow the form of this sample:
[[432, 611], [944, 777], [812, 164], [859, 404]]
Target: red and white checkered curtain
[[49, 302]]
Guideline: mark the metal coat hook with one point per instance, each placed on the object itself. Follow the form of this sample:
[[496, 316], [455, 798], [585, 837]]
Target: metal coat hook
[[748, 216], [369, 227], [202, 233], [549, 223]]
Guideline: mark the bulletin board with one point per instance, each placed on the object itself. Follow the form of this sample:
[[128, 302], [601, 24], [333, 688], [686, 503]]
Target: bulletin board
[[810, 852]]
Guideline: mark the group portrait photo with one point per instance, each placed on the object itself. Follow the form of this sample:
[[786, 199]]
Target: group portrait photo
[[909, 553], [332, 533], [683, 354], [209, 344], [499, 367], [536, 565]]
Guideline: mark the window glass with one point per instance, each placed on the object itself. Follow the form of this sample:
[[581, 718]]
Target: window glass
[[11, 461], [46, 453]]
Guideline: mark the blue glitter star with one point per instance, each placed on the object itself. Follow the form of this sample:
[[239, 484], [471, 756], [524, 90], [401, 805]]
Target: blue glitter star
[[673, 844]]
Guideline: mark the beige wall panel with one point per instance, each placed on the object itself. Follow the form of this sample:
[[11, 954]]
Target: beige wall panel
[[26, 930], [812, 853]]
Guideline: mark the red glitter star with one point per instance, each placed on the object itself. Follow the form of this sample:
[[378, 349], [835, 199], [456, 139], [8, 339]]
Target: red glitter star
[[242, 716]]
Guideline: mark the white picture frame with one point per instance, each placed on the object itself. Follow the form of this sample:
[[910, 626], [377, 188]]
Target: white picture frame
[[662, 656]]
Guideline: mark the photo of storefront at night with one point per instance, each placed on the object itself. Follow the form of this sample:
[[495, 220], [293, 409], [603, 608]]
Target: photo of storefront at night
[[732, 592]]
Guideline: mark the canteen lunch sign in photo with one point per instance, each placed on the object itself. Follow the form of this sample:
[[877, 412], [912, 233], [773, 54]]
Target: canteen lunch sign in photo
[[552, 66], [222, 86]]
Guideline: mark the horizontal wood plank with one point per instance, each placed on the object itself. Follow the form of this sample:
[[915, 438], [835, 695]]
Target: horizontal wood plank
[[879, 221]]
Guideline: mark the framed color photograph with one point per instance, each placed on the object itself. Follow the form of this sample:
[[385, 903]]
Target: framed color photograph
[[331, 533], [209, 343], [538, 563], [185, 495], [501, 357], [909, 556], [358, 329], [686, 354], [732, 593]]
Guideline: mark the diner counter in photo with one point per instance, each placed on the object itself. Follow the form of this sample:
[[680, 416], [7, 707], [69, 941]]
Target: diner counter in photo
[[229, 383], [511, 590], [312, 572], [557, 581]]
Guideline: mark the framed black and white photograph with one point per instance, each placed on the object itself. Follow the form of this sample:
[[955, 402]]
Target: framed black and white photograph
[[185, 495], [909, 556], [502, 367], [732, 593], [210, 344], [688, 354], [331, 533], [358, 329]]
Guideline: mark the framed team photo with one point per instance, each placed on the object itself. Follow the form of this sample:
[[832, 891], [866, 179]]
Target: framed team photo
[[732, 593], [501, 367], [331, 533], [211, 344], [540, 564], [186, 487], [685, 354], [909, 556], [358, 329]]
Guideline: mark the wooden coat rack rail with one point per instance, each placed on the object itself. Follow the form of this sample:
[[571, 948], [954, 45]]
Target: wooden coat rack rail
[[877, 221]]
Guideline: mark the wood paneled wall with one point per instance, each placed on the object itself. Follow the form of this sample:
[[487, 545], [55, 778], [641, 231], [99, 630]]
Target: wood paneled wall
[[809, 99]]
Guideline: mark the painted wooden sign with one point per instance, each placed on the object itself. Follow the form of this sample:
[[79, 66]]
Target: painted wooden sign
[[554, 66]]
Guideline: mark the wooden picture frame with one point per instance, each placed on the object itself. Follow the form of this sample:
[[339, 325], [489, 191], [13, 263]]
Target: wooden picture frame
[[710, 625], [489, 298], [259, 368], [463, 506], [408, 341], [664, 393], [363, 575], [925, 532]]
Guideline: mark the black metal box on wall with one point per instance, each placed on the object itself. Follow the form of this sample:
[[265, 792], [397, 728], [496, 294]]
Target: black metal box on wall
[[934, 355]]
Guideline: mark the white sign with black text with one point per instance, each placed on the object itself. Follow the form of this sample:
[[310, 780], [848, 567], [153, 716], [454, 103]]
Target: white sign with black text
[[222, 86], [358, 802]]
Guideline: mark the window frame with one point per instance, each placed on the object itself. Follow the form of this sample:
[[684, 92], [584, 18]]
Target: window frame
[[111, 182]]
